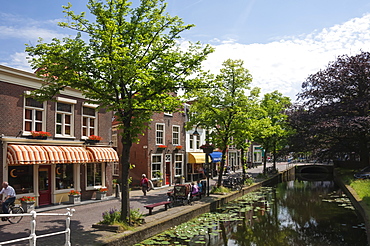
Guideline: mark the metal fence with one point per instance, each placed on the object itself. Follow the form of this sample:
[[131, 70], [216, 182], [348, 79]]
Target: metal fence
[[33, 237]]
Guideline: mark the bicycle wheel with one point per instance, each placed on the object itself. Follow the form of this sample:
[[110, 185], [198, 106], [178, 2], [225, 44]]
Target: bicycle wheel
[[15, 219]]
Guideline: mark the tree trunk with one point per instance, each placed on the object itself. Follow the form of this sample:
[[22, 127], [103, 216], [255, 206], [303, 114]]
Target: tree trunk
[[274, 156], [125, 168], [222, 164], [264, 160], [243, 163], [364, 155]]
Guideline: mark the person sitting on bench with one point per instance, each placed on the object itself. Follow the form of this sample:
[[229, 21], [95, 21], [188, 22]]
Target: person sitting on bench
[[194, 189]]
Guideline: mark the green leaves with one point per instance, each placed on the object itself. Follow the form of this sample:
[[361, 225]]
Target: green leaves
[[127, 60]]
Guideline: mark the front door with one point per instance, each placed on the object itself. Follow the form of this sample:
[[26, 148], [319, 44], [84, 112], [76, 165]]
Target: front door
[[168, 169], [44, 185]]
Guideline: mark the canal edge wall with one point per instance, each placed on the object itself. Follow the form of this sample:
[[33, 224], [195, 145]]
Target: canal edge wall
[[356, 201], [171, 218]]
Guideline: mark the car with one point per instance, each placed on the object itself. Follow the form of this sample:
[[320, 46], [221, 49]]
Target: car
[[363, 174]]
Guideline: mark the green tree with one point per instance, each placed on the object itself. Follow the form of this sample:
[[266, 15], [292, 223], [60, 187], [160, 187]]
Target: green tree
[[127, 60], [273, 129], [222, 107], [244, 136]]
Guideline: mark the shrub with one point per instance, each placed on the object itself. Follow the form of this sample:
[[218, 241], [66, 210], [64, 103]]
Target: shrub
[[113, 217], [248, 181], [220, 190]]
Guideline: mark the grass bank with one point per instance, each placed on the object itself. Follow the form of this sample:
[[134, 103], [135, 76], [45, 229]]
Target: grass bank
[[361, 187]]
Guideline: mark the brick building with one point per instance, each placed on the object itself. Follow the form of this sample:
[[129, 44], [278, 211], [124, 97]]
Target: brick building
[[66, 160], [160, 153]]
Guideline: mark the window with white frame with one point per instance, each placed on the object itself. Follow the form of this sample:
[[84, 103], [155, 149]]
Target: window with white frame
[[175, 135], [197, 142], [156, 165], [64, 119], [89, 121], [116, 169], [159, 133], [94, 174], [191, 142], [178, 164], [34, 115]]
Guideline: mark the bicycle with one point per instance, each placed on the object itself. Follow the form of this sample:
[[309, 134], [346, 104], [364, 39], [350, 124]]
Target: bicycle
[[13, 209]]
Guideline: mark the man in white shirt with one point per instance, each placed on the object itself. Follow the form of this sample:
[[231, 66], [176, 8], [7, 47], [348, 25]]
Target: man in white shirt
[[8, 193]]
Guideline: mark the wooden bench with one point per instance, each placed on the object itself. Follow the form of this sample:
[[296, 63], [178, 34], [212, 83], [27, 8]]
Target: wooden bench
[[151, 206], [199, 194]]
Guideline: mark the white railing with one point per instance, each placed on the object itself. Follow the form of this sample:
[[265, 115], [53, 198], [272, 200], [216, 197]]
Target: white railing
[[33, 237]]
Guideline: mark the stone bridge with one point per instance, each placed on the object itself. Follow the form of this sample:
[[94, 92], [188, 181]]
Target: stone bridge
[[315, 168], [314, 171]]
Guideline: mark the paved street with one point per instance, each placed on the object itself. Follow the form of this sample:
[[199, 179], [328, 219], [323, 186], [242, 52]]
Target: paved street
[[90, 212]]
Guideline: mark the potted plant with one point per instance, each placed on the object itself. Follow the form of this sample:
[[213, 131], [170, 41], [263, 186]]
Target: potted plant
[[40, 135], [74, 196], [101, 193], [178, 147], [27, 203], [161, 147], [207, 148], [93, 139], [159, 178]]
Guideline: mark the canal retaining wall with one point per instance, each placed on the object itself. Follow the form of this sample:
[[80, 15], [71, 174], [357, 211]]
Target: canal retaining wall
[[356, 201]]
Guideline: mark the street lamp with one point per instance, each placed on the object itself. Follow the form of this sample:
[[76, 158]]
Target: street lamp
[[207, 151]]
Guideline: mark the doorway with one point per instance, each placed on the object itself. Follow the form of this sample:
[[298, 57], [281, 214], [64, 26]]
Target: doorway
[[44, 185], [168, 169]]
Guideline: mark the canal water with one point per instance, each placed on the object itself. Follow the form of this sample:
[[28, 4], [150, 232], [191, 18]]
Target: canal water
[[295, 212]]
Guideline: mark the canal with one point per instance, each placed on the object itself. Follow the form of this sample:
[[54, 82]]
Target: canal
[[295, 212]]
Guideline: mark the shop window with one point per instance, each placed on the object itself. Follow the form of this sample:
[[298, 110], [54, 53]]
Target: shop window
[[64, 176], [34, 119], [156, 165], [21, 178], [94, 174], [89, 121]]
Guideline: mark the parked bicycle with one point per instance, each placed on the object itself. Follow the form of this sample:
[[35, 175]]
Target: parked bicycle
[[234, 181], [13, 209]]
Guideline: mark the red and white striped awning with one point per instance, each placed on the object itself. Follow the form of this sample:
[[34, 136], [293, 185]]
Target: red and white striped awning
[[33, 154], [26, 155], [102, 154], [56, 154], [76, 154]]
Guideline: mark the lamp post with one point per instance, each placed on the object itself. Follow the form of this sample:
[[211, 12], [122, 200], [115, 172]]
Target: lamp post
[[207, 151], [206, 167]]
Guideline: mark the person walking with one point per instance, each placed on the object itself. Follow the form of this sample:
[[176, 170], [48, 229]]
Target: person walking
[[144, 183], [9, 195]]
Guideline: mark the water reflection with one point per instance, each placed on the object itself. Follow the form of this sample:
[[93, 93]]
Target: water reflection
[[296, 212]]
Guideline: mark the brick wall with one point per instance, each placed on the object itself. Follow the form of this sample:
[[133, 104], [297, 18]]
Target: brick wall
[[11, 114]]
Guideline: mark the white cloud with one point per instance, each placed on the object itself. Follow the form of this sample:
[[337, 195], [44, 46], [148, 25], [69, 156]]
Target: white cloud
[[279, 65], [19, 61], [283, 65], [18, 27]]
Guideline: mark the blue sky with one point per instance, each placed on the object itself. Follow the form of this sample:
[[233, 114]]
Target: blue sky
[[281, 42]]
